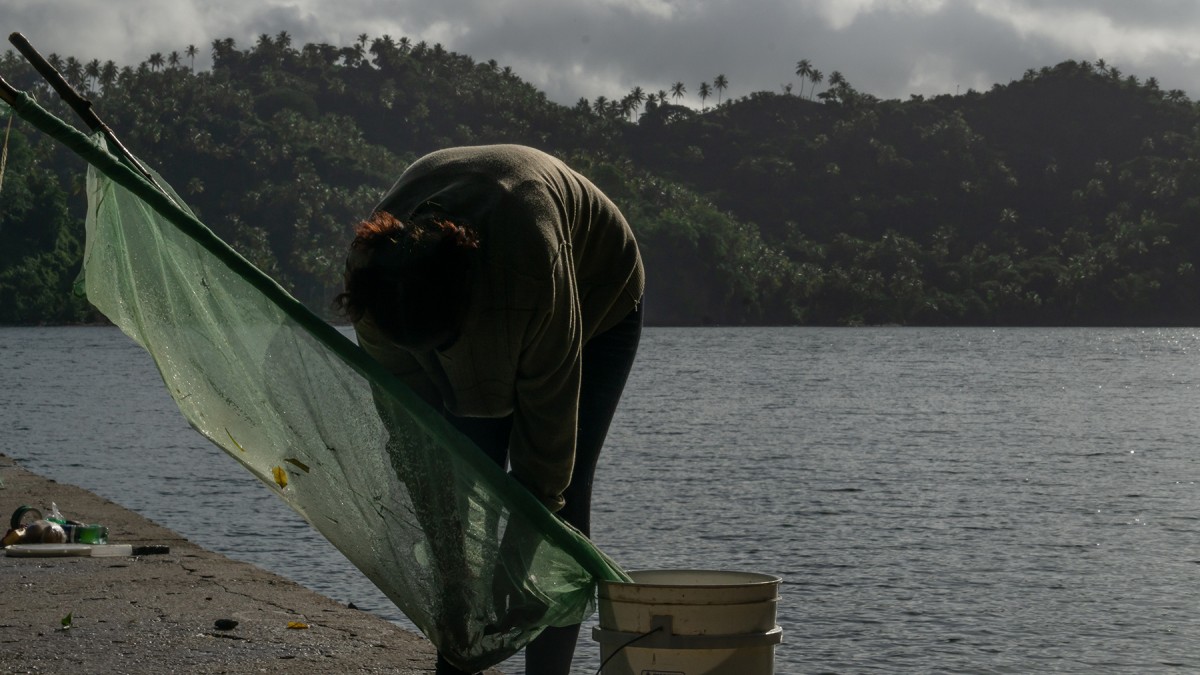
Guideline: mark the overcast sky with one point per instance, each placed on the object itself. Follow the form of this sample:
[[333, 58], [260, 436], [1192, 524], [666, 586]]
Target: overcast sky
[[570, 48]]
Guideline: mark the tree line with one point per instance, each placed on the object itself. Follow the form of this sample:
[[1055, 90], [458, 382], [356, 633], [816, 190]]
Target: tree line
[[1063, 198]]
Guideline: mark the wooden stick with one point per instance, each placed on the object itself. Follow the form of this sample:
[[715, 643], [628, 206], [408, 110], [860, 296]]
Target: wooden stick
[[81, 105]]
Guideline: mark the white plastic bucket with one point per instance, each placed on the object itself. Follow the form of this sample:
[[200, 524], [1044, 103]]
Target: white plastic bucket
[[689, 622]]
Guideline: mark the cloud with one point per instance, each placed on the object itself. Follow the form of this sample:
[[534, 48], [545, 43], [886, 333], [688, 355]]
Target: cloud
[[1086, 29], [841, 14], [125, 32], [1156, 38], [575, 48]]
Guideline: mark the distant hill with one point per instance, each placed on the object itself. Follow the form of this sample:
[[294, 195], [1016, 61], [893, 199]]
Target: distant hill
[[1066, 198]]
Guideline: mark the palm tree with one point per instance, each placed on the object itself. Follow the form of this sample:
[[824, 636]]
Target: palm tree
[[224, 51], [92, 70], [705, 92], [156, 61], [816, 77], [803, 70], [191, 54], [173, 59], [383, 48], [108, 74], [637, 97], [720, 84], [626, 105], [73, 70], [677, 91]]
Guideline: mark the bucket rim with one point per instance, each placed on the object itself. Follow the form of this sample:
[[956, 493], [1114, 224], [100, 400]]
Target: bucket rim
[[749, 579]]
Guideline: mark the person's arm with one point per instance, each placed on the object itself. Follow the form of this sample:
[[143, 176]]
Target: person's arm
[[398, 361], [546, 413]]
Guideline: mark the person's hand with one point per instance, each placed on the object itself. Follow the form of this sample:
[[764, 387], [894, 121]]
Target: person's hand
[[553, 503]]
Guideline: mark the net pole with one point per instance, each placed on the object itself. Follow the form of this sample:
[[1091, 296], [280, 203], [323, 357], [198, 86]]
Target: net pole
[[80, 104], [8, 93]]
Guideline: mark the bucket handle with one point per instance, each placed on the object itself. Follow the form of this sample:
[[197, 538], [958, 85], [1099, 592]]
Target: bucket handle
[[668, 641], [633, 637]]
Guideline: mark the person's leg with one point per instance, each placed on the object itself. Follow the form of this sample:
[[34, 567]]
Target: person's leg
[[607, 360], [491, 435]]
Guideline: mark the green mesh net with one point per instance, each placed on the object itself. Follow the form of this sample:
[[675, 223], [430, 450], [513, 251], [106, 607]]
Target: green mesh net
[[464, 551]]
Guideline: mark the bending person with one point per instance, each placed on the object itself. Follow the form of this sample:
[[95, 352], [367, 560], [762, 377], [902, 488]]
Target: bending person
[[505, 288]]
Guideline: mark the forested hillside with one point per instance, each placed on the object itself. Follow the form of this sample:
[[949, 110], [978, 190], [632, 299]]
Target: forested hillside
[[1068, 197]]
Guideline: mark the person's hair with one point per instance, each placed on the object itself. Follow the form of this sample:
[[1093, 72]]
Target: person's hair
[[417, 279]]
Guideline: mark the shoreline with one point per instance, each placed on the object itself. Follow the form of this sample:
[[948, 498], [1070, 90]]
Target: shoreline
[[158, 613]]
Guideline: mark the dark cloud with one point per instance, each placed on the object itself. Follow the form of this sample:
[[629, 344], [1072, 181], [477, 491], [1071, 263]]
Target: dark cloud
[[1126, 13], [890, 48]]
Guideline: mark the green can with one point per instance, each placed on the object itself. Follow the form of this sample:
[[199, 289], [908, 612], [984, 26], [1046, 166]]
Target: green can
[[91, 534]]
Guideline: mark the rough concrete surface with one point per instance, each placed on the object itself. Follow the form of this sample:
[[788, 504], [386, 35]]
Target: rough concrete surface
[[159, 613]]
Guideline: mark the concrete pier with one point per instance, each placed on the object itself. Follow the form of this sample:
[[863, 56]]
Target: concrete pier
[[159, 613]]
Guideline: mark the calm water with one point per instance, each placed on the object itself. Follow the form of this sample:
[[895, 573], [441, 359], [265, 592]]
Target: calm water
[[936, 500]]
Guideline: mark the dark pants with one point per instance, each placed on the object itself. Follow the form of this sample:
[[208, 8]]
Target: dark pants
[[607, 360]]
